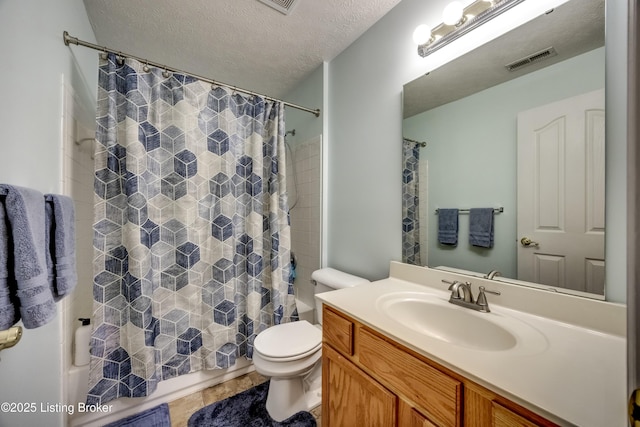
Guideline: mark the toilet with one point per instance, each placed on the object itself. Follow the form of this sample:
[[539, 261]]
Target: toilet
[[290, 353]]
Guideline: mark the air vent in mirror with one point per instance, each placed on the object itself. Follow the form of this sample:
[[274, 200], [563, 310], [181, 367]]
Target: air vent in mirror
[[530, 59]]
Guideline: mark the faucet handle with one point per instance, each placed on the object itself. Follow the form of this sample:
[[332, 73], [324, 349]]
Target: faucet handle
[[453, 287], [483, 289], [482, 298]]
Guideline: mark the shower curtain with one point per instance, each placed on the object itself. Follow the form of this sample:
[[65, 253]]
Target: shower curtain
[[191, 232], [410, 203]]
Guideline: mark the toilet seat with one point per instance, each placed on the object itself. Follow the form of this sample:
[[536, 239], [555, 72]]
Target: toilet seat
[[288, 341]]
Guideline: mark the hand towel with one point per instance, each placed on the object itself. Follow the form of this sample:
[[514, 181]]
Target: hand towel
[[48, 238], [62, 245], [481, 227], [26, 213], [448, 226], [9, 313]]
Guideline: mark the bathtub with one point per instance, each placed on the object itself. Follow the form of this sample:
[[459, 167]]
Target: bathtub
[[167, 391], [77, 386]]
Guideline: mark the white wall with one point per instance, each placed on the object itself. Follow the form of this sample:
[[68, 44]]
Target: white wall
[[310, 94], [35, 60], [616, 136], [365, 122]]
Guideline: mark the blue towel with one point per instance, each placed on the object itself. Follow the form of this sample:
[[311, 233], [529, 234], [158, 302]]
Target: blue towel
[[60, 219], [48, 236], [481, 227], [9, 314], [448, 226], [25, 210]]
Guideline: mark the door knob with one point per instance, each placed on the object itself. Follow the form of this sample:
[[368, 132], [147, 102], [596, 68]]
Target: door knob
[[525, 241]]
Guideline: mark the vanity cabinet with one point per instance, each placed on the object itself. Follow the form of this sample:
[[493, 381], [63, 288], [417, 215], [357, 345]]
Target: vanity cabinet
[[369, 379]]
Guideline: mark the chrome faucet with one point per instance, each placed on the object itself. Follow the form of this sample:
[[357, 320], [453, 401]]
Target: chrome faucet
[[492, 274], [465, 287], [466, 300]]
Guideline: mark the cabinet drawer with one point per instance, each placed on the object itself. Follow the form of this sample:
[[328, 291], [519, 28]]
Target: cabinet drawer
[[337, 331], [434, 392]]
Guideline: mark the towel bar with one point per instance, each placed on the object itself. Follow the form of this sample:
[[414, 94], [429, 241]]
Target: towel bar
[[466, 211]]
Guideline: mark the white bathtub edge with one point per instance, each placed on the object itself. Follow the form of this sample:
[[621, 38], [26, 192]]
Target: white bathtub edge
[[167, 391]]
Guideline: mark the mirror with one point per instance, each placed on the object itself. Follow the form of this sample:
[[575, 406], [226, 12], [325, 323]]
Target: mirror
[[490, 139]]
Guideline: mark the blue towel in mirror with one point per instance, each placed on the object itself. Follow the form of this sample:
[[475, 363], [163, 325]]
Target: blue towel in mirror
[[481, 227], [448, 226]]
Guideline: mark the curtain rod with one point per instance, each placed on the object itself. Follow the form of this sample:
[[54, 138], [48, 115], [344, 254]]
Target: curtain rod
[[70, 39]]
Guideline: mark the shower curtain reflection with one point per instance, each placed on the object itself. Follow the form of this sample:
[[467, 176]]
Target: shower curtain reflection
[[191, 235], [410, 202]]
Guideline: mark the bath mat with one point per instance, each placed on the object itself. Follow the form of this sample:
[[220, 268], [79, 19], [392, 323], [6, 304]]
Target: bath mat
[[154, 417], [246, 409]]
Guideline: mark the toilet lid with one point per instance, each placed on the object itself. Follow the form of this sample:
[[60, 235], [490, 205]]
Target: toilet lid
[[288, 339]]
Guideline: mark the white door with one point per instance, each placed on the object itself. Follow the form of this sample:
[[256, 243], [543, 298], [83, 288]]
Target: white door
[[561, 160]]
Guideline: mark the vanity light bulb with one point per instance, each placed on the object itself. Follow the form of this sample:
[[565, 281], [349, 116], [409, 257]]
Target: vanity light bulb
[[452, 14], [421, 34]]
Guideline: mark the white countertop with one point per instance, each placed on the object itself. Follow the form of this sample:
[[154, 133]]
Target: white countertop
[[575, 376]]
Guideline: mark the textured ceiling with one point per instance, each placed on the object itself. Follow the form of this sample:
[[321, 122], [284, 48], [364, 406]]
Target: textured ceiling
[[240, 42]]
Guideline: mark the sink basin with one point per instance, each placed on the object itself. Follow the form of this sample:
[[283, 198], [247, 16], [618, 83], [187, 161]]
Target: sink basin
[[435, 317]]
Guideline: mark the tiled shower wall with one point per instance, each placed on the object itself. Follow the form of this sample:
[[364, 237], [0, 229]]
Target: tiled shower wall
[[78, 136], [306, 215]]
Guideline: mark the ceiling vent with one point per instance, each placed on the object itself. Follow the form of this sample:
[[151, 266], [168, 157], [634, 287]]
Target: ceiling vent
[[283, 6], [531, 59]]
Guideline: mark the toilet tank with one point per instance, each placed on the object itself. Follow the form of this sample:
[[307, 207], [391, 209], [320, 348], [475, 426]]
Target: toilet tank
[[330, 279]]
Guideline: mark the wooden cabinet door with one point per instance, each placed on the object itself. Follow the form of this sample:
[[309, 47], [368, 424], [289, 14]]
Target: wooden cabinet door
[[409, 417], [435, 393], [351, 397]]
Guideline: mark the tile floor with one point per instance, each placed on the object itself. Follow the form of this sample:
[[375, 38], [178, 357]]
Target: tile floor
[[180, 410]]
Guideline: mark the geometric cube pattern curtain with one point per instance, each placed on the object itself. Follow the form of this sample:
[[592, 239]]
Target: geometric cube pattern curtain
[[410, 203], [191, 231]]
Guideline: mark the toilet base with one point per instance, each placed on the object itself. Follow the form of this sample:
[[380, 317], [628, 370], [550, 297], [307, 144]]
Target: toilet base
[[288, 396]]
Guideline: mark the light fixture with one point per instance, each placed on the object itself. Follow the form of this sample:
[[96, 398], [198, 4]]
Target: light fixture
[[458, 20], [421, 34], [453, 14]]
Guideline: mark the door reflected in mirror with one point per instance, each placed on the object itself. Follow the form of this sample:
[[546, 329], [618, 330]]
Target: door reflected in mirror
[[530, 140]]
